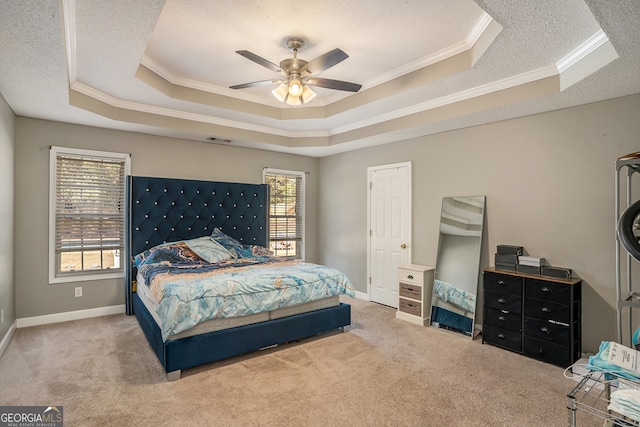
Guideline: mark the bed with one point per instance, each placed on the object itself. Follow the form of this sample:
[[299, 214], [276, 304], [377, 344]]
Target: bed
[[166, 214]]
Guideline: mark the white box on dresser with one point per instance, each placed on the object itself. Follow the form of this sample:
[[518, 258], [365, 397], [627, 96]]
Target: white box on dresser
[[415, 285]]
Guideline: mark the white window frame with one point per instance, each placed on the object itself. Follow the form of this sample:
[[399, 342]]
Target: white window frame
[[303, 191], [81, 276]]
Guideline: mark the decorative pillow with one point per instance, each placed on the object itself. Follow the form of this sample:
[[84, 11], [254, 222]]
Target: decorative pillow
[[208, 249], [252, 251], [175, 253], [229, 243]]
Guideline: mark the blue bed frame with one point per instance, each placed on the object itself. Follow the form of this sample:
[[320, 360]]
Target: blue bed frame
[[161, 210]]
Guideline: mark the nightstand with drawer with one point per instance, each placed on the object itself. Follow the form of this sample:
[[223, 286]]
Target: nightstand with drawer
[[415, 285]]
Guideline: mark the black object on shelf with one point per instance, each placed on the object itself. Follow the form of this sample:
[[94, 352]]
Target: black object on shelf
[[510, 249], [559, 272]]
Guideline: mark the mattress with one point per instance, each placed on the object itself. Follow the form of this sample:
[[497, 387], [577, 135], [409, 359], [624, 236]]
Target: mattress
[[438, 302], [212, 325]]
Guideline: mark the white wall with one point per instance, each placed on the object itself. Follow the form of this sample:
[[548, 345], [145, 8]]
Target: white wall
[[549, 182], [150, 156], [7, 146]]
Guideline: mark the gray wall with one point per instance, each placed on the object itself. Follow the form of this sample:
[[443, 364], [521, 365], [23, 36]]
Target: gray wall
[[7, 144], [150, 156], [548, 178], [549, 182]]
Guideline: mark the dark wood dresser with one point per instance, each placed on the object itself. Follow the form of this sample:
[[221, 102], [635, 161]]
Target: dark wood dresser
[[537, 316]]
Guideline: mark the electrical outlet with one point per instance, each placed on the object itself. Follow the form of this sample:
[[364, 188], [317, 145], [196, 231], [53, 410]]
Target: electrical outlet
[[78, 291]]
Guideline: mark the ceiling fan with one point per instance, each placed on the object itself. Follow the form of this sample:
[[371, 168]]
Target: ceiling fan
[[296, 74]]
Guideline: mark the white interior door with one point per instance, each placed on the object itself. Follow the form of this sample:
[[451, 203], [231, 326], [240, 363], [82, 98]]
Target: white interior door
[[389, 230]]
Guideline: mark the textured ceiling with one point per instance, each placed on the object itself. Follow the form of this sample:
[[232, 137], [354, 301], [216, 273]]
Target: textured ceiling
[[165, 67]]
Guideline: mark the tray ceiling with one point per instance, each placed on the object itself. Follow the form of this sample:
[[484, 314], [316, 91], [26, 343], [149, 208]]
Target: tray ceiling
[[165, 67]]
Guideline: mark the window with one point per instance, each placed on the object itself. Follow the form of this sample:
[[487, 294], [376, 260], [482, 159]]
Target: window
[[286, 212], [86, 214]]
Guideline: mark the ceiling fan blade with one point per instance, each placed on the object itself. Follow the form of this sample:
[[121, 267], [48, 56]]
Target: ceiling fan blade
[[326, 61], [254, 84], [334, 84], [259, 60]]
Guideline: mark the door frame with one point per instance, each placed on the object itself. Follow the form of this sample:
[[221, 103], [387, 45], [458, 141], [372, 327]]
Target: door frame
[[409, 219]]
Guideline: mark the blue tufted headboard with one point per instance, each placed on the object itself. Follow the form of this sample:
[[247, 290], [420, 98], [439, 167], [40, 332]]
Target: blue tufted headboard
[[163, 210]]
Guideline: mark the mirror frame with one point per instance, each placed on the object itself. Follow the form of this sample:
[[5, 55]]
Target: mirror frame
[[458, 307]]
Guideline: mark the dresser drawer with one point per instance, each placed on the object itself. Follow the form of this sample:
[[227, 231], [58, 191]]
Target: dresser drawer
[[503, 319], [533, 315], [407, 275], [410, 291], [410, 307], [502, 283], [548, 331], [548, 291], [502, 337], [500, 301], [548, 310], [549, 352]]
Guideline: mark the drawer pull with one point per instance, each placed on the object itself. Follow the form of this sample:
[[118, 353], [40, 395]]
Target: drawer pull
[[546, 289], [545, 330], [409, 276], [500, 282], [502, 300], [502, 318], [505, 311], [501, 336], [545, 310]]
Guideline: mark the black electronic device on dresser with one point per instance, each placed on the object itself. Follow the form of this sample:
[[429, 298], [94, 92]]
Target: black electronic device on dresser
[[537, 316]]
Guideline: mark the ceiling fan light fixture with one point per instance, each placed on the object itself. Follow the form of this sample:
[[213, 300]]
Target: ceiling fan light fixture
[[281, 92], [307, 94], [294, 101], [294, 74], [295, 87]]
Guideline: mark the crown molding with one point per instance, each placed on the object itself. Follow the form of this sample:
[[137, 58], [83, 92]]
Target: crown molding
[[69, 37], [185, 115], [573, 59], [202, 86], [586, 48], [589, 53]]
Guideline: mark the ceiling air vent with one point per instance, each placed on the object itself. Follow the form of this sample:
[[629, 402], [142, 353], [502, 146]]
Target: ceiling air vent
[[218, 140]]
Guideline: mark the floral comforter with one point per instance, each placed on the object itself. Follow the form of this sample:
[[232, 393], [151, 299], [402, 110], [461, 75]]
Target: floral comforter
[[449, 293], [191, 290]]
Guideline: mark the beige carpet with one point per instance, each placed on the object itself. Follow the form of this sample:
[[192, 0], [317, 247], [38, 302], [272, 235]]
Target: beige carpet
[[381, 372]]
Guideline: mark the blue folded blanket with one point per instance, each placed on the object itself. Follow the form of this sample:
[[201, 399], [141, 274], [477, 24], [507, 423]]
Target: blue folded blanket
[[600, 362], [636, 338]]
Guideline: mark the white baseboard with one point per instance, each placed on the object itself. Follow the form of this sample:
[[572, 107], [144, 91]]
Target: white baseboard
[[70, 315], [7, 338], [362, 295]]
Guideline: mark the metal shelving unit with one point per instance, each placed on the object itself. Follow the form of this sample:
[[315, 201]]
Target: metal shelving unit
[[592, 396], [626, 296]]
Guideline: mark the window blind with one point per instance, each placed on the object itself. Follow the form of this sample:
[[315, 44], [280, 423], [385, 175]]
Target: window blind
[[89, 205], [285, 212]]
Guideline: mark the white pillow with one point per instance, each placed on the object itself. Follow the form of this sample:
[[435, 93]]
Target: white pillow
[[208, 249]]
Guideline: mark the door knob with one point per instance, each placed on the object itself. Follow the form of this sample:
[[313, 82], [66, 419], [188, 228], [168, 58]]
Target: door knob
[[403, 246]]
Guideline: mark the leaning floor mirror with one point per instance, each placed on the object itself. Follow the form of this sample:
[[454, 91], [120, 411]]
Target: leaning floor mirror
[[453, 304]]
